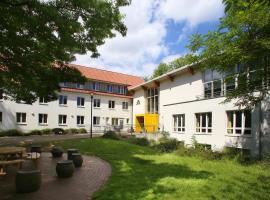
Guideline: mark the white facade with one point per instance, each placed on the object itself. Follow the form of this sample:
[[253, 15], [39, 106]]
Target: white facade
[[71, 110], [181, 93]]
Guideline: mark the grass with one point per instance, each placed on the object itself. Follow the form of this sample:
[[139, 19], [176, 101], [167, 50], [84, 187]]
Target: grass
[[142, 173]]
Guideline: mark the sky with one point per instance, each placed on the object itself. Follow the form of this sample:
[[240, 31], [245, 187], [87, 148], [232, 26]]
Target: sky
[[158, 31]]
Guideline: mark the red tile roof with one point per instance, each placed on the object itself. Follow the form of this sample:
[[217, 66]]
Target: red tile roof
[[95, 92], [109, 76]]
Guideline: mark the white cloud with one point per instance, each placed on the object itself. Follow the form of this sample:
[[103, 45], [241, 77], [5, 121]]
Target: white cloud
[[171, 58], [139, 52]]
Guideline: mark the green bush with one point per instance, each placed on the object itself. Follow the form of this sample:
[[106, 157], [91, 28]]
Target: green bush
[[71, 131], [82, 130], [139, 141], [36, 132], [58, 131], [12, 132], [110, 135], [46, 131], [167, 144], [2, 133]]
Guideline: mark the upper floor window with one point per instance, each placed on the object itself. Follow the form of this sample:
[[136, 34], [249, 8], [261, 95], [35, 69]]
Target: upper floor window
[[203, 122], [111, 104], [125, 105], [80, 101], [62, 119], [62, 100], [152, 100], [96, 86], [109, 88], [43, 100], [179, 123], [43, 118], [79, 86], [80, 120], [21, 118], [1, 120], [96, 103], [121, 89], [213, 84], [239, 122], [96, 120]]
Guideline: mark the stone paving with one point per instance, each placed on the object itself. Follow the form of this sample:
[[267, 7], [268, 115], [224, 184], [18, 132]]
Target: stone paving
[[81, 186]]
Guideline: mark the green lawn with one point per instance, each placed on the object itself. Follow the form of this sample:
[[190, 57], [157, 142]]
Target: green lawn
[[141, 173]]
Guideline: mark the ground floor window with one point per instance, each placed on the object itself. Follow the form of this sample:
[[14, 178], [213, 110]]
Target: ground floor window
[[42, 118], [179, 123], [115, 121], [20, 117], [203, 122], [62, 119], [80, 120], [239, 122], [96, 120]]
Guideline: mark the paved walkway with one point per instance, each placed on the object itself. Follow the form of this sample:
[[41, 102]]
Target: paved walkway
[[6, 141], [81, 186]]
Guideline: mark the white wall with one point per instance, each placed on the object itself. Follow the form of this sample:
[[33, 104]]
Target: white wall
[[53, 109]]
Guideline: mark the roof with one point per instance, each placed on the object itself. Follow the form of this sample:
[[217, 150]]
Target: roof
[[168, 75], [109, 76], [95, 92]]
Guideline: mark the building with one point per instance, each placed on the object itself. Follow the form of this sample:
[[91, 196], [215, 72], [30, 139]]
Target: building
[[188, 104], [112, 105]]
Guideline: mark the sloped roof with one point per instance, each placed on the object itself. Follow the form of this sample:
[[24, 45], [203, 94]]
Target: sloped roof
[[109, 76]]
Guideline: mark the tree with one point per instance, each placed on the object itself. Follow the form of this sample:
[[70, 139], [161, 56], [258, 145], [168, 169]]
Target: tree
[[39, 37], [182, 61], [162, 68], [243, 40]]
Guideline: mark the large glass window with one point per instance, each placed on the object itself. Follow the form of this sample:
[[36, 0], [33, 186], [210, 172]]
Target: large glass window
[[21, 118], [80, 101], [239, 122], [179, 123], [42, 118], [213, 84], [152, 100], [62, 100], [62, 119], [203, 122]]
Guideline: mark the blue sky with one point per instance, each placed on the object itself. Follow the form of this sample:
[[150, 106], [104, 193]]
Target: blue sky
[[158, 31]]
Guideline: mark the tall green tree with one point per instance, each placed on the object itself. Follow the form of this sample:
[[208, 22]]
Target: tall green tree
[[37, 39], [162, 68], [242, 39]]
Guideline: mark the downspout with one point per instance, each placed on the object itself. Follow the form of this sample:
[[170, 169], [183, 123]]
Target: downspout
[[260, 131]]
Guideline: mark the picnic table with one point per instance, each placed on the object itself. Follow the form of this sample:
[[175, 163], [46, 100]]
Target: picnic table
[[10, 156]]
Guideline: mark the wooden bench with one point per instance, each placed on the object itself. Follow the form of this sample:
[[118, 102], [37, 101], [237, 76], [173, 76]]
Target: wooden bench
[[4, 163]]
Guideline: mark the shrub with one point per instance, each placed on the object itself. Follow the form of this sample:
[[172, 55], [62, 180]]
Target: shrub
[[1, 133], [58, 131], [36, 132], [71, 131], [139, 141], [46, 131], [110, 135], [167, 144], [82, 130], [12, 132]]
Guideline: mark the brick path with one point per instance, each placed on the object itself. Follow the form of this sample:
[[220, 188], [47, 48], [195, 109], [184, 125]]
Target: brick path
[[85, 181]]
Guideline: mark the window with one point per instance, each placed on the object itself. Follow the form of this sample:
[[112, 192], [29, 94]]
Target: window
[[80, 120], [96, 120], [1, 120], [203, 122], [1, 95], [80, 101], [179, 123], [96, 103], [43, 118], [109, 88], [121, 89], [62, 100], [114, 121], [96, 86], [124, 105], [127, 120], [62, 119], [239, 122], [111, 104], [21, 118], [213, 84], [152, 100], [43, 100], [79, 86]]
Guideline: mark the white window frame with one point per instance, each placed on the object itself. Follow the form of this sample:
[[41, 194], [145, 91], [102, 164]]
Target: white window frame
[[179, 127], [64, 103], [43, 101], [115, 119], [43, 119], [21, 117], [61, 120], [242, 128], [96, 103], [80, 120], [80, 102], [199, 129], [95, 120], [111, 104], [125, 105]]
